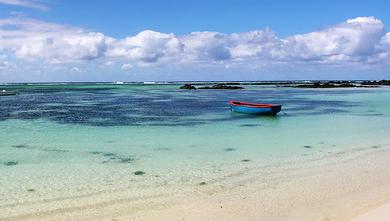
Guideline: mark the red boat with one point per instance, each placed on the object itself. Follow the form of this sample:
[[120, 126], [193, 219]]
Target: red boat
[[253, 108]]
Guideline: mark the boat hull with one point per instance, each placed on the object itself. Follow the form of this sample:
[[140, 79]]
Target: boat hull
[[256, 109], [7, 93]]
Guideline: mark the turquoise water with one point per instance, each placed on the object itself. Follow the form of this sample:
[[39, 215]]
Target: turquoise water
[[81, 140]]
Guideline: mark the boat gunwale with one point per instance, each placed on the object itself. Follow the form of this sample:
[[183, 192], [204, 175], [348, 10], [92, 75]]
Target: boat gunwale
[[253, 105]]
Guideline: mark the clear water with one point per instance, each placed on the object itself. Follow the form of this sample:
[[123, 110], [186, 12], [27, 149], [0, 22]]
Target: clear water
[[71, 141]]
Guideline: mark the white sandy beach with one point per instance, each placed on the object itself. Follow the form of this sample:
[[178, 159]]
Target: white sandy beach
[[333, 190], [381, 213]]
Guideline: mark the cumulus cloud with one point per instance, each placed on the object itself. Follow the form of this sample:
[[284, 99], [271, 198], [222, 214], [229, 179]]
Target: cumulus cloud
[[355, 39], [32, 39], [361, 40], [147, 47], [27, 3]]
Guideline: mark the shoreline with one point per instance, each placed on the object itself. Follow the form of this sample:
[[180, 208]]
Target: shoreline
[[336, 190]]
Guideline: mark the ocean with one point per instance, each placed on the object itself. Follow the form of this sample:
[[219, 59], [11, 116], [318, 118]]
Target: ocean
[[67, 143]]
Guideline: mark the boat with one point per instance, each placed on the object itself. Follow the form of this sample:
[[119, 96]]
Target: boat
[[252, 108], [7, 93]]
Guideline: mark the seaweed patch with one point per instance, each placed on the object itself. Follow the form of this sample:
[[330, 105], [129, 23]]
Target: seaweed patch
[[19, 146], [162, 149], [11, 163], [139, 173], [229, 149], [109, 154], [55, 150], [250, 125], [126, 160], [96, 152]]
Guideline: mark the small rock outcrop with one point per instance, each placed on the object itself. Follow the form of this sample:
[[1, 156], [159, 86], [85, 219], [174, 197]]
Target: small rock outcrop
[[222, 86], [326, 85], [188, 87], [377, 83]]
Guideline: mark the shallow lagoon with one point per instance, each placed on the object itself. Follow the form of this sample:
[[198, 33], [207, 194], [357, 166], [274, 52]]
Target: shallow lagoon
[[61, 142]]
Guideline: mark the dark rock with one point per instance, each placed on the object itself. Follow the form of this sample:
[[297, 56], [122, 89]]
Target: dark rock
[[341, 84], [377, 83], [188, 87], [139, 173], [222, 86], [232, 83]]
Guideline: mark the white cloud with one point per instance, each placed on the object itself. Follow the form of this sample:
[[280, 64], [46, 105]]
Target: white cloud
[[32, 39], [361, 40], [27, 3], [147, 47], [355, 39], [126, 66]]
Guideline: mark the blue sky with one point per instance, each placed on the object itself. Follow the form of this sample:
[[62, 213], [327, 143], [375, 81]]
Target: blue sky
[[69, 40]]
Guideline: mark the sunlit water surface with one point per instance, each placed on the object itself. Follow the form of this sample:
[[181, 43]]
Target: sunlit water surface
[[78, 140]]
